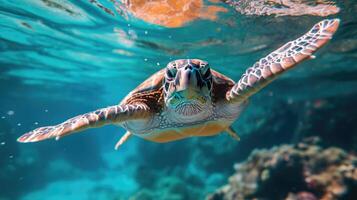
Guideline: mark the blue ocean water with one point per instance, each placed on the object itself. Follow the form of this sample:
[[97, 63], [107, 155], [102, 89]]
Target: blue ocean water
[[62, 58]]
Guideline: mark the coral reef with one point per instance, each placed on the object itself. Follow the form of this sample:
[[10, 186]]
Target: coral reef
[[284, 7], [304, 171]]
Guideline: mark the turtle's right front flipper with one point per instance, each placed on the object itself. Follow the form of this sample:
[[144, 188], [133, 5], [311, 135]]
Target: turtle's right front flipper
[[98, 118], [286, 57]]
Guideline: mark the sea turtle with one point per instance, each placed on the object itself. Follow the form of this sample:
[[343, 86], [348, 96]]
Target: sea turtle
[[188, 98]]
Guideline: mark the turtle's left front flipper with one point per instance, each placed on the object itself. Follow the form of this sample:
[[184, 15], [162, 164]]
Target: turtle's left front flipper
[[110, 115], [286, 57]]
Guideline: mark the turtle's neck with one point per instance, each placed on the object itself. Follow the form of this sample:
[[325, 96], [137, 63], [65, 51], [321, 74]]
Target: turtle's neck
[[189, 112]]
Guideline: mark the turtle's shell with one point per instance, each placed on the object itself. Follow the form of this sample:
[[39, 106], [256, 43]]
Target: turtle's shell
[[154, 82]]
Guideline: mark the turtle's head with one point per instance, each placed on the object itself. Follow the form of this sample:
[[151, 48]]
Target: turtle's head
[[187, 86]]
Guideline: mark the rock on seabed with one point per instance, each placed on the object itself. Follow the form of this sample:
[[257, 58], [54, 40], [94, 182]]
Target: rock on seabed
[[304, 171]]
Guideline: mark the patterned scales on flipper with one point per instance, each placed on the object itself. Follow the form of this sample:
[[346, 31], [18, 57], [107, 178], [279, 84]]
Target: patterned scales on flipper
[[101, 117], [284, 58]]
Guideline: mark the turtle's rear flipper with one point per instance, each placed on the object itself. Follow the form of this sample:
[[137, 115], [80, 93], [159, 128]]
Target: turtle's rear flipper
[[123, 139], [232, 133], [101, 117], [284, 58]]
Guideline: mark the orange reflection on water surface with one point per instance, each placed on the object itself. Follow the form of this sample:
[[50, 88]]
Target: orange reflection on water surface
[[173, 13]]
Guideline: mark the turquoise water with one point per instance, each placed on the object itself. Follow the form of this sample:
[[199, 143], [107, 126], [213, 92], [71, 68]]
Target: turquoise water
[[65, 58]]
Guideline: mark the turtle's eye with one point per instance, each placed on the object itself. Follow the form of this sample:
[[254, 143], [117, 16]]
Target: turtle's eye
[[170, 73], [204, 65], [206, 73]]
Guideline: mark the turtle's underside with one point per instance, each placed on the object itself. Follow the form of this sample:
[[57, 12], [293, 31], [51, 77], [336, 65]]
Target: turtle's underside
[[188, 98]]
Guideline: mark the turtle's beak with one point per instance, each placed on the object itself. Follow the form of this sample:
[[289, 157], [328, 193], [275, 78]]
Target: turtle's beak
[[186, 82]]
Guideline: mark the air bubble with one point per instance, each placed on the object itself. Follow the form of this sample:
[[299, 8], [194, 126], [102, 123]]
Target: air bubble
[[10, 112], [132, 33], [146, 32], [36, 123], [19, 124], [158, 64], [290, 101], [145, 59], [2, 143], [46, 110]]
